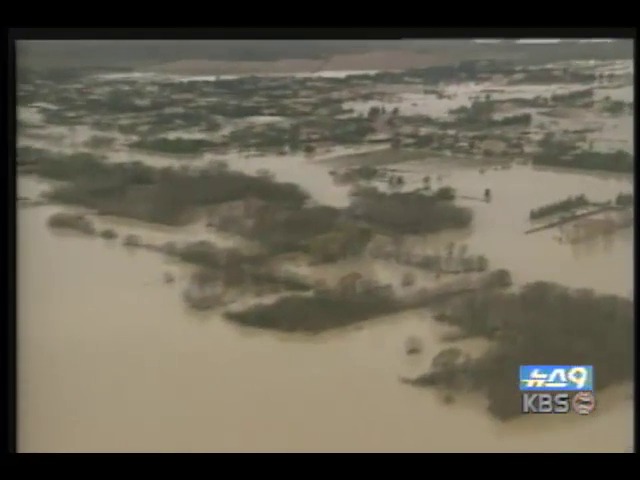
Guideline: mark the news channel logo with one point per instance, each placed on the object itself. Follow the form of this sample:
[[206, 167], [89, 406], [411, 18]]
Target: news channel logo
[[557, 389], [556, 378]]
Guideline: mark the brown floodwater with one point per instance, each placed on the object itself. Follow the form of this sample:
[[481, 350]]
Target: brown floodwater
[[110, 360], [604, 263]]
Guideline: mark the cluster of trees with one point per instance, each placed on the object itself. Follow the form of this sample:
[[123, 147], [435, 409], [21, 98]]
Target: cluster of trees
[[109, 234], [542, 75], [560, 153], [624, 199], [213, 258], [544, 323], [442, 73], [60, 117], [617, 107], [202, 253], [177, 145], [618, 161], [119, 101], [66, 167], [363, 173], [27, 155], [313, 314], [342, 242], [551, 146], [433, 262], [130, 97], [231, 267], [480, 111], [71, 221], [290, 229], [523, 119], [99, 141], [536, 102], [410, 212], [187, 119], [376, 111], [327, 309], [568, 203], [273, 136], [231, 109], [445, 193], [343, 131], [572, 97], [164, 195], [423, 141], [135, 128]]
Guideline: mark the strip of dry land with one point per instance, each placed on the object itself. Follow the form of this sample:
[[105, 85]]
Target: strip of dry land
[[376, 60]]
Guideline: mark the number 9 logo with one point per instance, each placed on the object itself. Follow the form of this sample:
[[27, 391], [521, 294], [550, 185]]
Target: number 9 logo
[[578, 376]]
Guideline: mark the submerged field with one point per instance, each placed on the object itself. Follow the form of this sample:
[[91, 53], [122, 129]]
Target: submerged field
[[349, 207]]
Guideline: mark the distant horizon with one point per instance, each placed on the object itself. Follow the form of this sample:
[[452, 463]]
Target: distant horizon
[[544, 41], [144, 53]]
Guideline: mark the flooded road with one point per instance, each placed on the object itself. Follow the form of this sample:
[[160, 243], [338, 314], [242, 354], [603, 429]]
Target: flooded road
[[110, 360]]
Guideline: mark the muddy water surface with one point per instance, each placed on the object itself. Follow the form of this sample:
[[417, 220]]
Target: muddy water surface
[[604, 264], [110, 360]]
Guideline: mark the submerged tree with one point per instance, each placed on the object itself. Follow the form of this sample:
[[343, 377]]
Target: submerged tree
[[542, 323]]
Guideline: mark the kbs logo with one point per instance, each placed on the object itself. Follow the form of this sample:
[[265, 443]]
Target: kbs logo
[[558, 378], [583, 403], [557, 389], [546, 403]]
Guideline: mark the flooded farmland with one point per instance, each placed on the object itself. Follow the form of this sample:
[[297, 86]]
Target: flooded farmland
[[112, 358]]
